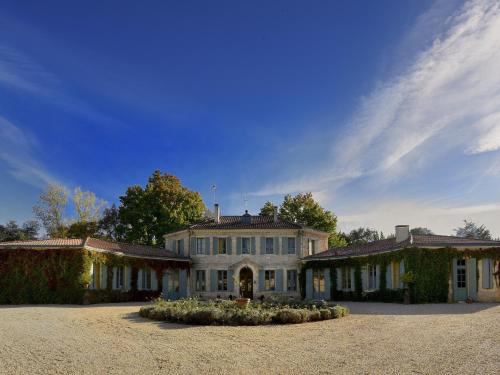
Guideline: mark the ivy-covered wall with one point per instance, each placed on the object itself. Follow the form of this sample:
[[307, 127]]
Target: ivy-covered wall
[[431, 268], [62, 276]]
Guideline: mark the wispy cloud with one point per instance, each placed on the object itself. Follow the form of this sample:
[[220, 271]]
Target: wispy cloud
[[16, 151]]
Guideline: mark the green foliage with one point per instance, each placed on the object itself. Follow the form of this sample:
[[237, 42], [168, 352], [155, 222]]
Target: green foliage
[[82, 229], [267, 209], [421, 231], [12, 232], [50, 210], [218, 312], [362, 236], [110, 226], [163, 206], [472, 230]]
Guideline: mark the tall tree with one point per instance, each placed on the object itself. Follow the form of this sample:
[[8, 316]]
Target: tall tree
[[110, 226], [472, 230], [267, 209], [162, 206], [50, 209], [363, 235], [87, 206], [304, 209], [421, 231], [12, 232]]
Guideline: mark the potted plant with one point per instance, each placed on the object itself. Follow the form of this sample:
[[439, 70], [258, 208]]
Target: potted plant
[[407, 278], [242, 302]]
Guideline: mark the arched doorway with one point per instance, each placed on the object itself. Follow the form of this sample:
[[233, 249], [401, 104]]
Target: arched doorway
[[246, 283]]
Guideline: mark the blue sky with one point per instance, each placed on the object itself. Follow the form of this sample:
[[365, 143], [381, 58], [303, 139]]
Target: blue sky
[[388, 111]]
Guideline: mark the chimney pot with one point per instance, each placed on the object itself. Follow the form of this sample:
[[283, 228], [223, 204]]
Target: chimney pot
[[402, 233], [217, 212]]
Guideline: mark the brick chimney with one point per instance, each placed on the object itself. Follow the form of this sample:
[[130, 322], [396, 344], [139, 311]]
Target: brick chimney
[[402, 233]]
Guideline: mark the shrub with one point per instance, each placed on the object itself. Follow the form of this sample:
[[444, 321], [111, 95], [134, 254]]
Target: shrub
[[325, 314], [291, 316], [207, 315]]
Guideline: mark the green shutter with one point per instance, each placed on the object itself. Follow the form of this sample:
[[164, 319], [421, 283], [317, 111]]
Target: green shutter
[[402, 271], [181, 247], [276, 245], [154, 280], [207, 246], [353, 285], [229, 245], [309, 283], [261, 280], [487, 273], [284, 245], [139, 279], [216, 245], [328, 291], [213, 280], [279, 281], [455, 288], [339, 278], [377, 277], [238, 245], [230, 281], [252, 246], [192, 248], [262, 245], [388, 277], [472, 278]]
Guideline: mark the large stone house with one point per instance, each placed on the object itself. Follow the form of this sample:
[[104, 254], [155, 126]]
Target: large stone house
[[440, 269], [249, 256]]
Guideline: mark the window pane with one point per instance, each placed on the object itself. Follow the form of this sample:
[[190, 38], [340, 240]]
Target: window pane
[[200, 280], [291, 279], [221, 281], [245, 245], [222, 245], [269, 282], [199, 245], [269, 245], [291, 245]]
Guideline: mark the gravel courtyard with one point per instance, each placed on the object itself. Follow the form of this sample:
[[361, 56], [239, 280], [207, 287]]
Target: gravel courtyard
[[375, 339]]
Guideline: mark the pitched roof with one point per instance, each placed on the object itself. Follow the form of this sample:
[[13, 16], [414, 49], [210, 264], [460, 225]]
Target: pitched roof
[[140, 251], [415, 241]]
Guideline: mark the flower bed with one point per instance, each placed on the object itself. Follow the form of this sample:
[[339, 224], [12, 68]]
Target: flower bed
[[222, 312]]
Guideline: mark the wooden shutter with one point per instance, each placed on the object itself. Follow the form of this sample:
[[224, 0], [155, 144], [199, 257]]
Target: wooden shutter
[[284, 245], [353, 285], [183, 283], [487, 273], [388, 276], [139, 279], [276, 245], [262, 245], [364, 277], [192, 248], [252, 246], [309, 283], [229, 245], [261, 281], [213, 280], [174, 246], [402, 270], [154, 280], [207, 246], [181, 247], [377, 277], [472, 277], [238, 245], [216, 245], [230, 281], [328, 291], [279, 280], [339, 279]]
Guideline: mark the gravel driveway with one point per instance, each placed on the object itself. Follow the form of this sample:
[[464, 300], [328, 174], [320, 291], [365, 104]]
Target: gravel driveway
[[375, 339]]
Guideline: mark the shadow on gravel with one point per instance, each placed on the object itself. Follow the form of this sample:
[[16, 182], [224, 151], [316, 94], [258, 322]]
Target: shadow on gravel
[[375, 308], [136, 318]]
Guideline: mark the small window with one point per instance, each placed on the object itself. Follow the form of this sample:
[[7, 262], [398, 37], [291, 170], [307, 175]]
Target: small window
[[346, 278], [269, 281], [222, 281], [291, 245], [311, 246], [200, 245], [200, 281], [269, 245], [222, 245], [245, 245], [173, 281], [318, 283], [372, 276], [291, 280], [146, 279], [119, 278]]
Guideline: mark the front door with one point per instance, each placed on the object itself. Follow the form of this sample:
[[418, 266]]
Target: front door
[[246, 283], [461, 280]]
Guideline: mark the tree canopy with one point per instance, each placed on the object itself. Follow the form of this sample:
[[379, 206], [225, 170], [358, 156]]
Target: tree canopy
[[162, 206], [50, 210], [362, 235], [12, 232], [421, 231], [472, 230], [267, 209]]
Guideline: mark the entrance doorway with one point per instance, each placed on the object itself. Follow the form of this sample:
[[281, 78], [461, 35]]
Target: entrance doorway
[[461, 280], [246, 283]]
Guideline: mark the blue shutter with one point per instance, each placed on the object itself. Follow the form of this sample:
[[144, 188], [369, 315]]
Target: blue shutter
[[402, 270], [174, 246], [284, 245], [252, 246], [455, 289], [276, 245], [261, 280], [207, 246], [192, 248], [216, 245], [183, 283], [487, 274], [327, 294], [154, 280], [364, 278], [377, 277], [472, 279], [279, 281], [181, 247], [128, 279], [238, 245], [113, 286], [353, 285], [139, 279], [230, 281], [388, 277], [309, 283], [165, 286], [339, 279], [213, 280], [229, 245], [262, 245], [104, 276]]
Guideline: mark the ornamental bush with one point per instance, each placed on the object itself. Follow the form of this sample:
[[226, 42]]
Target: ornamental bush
[[220, 312]]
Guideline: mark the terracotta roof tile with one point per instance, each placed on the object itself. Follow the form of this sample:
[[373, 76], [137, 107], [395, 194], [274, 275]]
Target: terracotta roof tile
[[254, 222], [55, 242]]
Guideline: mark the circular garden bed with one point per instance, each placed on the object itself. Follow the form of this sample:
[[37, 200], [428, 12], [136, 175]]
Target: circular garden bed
[[223, 312]]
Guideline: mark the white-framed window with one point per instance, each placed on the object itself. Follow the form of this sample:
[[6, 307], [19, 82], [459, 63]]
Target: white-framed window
[[146, 278], [200, 245], [372, 276], [222, 281], [269, 280], [222, 243], [245, 245], [291, 280], [269, 245], [311, 246], [291, 245], [173, 278], [119, 280], [346, 278], [318, 282], [200, 284]]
